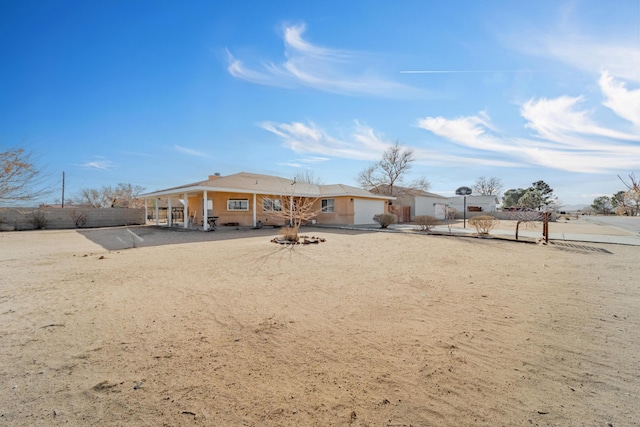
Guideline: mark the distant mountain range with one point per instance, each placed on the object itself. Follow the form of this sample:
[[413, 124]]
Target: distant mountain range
[[573, 207]]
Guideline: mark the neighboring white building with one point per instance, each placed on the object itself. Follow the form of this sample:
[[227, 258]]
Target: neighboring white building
[[474, 203], [434, 204]]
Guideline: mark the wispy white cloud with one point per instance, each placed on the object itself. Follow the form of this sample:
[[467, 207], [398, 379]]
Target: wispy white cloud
[[314, 160], [305, 162], [559, 121], [622, 58], [364, 143], [99, 164], [625, 103], [190, 151], [581, 45], [321, 68], [291, 164], [564, 137]]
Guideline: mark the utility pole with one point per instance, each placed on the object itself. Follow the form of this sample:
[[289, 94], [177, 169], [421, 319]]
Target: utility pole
[[63, 189]]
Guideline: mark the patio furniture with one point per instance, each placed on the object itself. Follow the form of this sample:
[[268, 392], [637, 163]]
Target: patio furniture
[[212, 221]]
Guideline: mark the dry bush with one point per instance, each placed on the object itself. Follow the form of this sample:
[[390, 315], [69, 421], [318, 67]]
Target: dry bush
[[483, 223], [38, 219], [451, 213], [386, 219], [425, 222], [290, 234], [79, 218]]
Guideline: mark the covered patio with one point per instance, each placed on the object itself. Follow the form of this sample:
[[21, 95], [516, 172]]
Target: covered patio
[[196, 204]]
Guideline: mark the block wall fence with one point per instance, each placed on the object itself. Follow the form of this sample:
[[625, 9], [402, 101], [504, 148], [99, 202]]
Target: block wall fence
[[63, 218], [504, 215]]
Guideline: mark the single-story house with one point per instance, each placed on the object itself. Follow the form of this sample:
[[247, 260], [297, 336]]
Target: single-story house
[[246, 199]]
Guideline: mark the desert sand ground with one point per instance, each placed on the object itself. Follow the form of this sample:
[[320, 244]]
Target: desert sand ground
[[365, 329]]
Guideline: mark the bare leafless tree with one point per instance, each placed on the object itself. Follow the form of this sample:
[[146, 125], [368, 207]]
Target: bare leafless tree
[[632, 195], [527, 218], [632, 184], [420, 184], [632, 202], [20, 178], [308, 177], [491, 186], [93, 198], [390, 170], [122, 196], [291, 209]]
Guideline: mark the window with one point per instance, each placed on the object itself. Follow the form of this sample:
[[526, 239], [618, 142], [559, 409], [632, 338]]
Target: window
[[269, 205], [328, 205], [209, 207], [238, 204]]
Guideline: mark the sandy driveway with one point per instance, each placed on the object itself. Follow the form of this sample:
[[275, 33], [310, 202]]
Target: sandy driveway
[[366, 329]]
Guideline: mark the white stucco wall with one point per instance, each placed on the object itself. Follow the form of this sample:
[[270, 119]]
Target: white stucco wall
[[426, 205], [487, 203]]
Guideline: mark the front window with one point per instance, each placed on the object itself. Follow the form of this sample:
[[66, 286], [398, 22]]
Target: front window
[[328, 205], [269, 205], [238, 204]]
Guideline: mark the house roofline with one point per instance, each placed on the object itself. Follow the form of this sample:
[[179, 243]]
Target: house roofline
[[198, 188]]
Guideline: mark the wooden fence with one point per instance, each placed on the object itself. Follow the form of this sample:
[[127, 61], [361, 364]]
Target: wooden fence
[[402, 212]]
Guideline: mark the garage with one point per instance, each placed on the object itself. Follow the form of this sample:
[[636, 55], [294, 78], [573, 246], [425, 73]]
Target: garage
[[364, 210]]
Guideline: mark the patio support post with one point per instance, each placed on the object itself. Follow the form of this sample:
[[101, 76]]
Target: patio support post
[[205, 213], [291, 211], [157, 210], [169, 212], [254, 211], [186, 210]]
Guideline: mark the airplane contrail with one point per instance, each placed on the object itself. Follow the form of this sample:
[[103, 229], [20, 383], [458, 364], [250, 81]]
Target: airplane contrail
[[463, 71]]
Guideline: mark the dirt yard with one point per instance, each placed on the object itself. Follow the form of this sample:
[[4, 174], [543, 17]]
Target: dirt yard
[[365, 329]]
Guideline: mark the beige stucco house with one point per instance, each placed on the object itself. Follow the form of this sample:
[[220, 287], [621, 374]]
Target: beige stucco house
[[246, 199]]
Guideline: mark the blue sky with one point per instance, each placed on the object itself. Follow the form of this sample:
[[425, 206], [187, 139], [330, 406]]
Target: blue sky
[[160, 94]]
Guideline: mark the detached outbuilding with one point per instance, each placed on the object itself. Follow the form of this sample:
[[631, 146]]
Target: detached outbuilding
[[474, 203], [244, 198], [435, 205]]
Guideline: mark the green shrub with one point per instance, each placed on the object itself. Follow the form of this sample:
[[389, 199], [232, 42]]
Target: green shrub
[[483, 223], [385, 219], [425, 222]]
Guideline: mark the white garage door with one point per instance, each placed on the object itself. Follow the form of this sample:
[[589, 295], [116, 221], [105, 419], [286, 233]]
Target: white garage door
[[364, 210]]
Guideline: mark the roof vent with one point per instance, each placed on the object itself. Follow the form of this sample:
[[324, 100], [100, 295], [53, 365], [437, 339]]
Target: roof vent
[[214, 176]]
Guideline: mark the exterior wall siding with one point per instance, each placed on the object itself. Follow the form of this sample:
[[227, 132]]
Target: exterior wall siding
[[342, 215]]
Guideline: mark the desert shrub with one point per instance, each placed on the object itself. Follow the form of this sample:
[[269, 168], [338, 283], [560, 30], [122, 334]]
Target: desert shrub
[[290, 234], [483, 223], [79, 218], [38, 219], [451, 213], [425, 222], [385, 219]]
